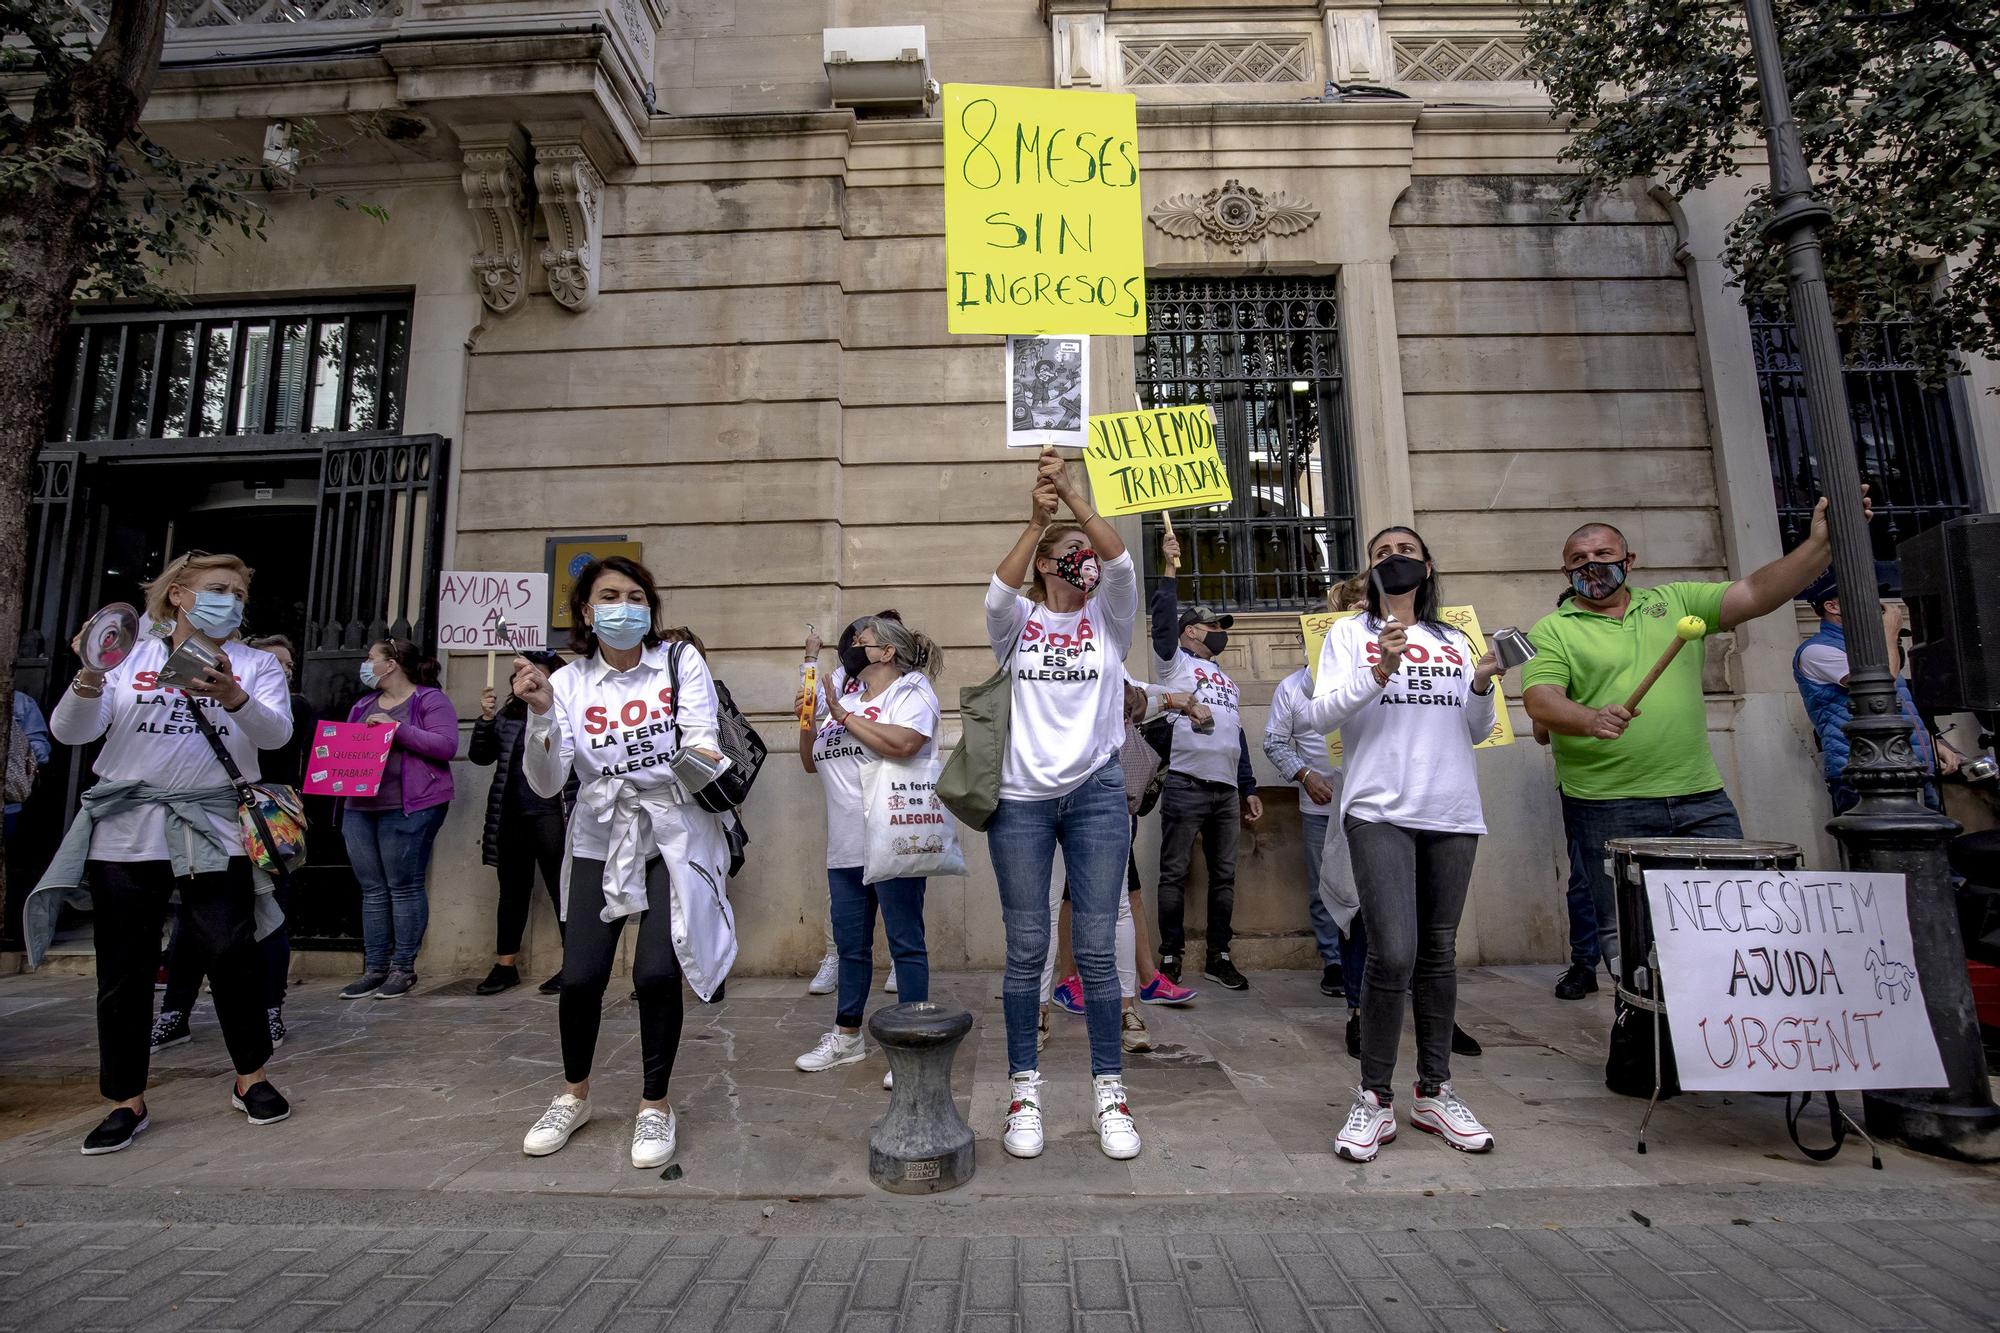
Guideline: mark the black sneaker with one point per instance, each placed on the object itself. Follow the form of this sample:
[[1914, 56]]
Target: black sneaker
[[170, 1029], [1462, 1042], [553, 986], [275, 1017], [264, 1104], [116, 1132], [1170, 967], [1330, 982], [1354, 1036], [1223, 973], [396, 986], [503, 977], [1579, 981], [365, 985]]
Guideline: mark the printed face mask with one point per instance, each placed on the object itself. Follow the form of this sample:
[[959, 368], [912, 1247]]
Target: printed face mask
[[1399, 574], [854, 660], [369, 678], [1597, 579], [216, 614], [622, 625], [1215, 640], [1078, 569]]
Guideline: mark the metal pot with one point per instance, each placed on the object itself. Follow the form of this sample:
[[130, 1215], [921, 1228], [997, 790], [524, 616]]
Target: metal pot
[[1511, 647]]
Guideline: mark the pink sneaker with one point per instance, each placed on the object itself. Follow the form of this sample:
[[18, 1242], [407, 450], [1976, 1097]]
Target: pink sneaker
[[1069, 995], [1163, 989]]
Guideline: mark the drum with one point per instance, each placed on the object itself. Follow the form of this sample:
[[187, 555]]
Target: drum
[[1641, 1058]]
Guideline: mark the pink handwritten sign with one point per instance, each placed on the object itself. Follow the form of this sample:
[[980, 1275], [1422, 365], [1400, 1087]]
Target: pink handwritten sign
[[347, 758]]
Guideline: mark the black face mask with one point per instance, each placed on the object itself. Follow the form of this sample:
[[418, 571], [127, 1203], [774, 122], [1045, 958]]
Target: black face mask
[[1215, 640], [854, 661], [1399, 574], [1597, 579]]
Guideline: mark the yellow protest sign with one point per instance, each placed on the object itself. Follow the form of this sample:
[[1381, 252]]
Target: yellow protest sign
[[1161, 458], [1315, 625], [1042, 230]]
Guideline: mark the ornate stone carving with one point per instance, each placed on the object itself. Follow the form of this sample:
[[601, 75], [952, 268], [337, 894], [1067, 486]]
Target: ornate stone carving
[[1079, 50], [496, 192], [1462, 59], [1233, 214], [1169, 61], [572, 198], [1355, 46]]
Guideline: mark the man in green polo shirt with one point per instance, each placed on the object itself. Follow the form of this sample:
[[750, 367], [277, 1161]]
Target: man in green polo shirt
[[1647, 774]]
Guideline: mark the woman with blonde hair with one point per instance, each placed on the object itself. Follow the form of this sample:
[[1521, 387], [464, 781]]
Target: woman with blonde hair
[[163, 818], [895, 715], [1063, 644]]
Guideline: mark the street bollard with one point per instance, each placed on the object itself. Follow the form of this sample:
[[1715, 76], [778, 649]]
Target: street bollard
[[922, 1146]]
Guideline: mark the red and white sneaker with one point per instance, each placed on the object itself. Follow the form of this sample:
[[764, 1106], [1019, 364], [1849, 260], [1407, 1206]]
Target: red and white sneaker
[[1023, 1137], [1369, 1125], [1446, 1116], [1116, 1133]]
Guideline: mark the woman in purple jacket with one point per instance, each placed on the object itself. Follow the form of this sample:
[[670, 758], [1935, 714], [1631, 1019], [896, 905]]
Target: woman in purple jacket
[[389, 834]]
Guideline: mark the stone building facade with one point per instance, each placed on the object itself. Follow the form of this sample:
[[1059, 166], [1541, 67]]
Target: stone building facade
[[659, 286]]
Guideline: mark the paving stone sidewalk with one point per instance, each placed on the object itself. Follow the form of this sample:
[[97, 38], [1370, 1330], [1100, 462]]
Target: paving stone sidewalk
[[1827, 1277]]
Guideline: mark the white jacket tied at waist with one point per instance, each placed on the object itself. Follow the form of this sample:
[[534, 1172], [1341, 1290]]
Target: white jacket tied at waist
[[639, 825]]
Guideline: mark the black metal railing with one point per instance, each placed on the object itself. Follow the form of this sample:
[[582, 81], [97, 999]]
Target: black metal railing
[[1906, 435], [203, 373], [1265, 354]]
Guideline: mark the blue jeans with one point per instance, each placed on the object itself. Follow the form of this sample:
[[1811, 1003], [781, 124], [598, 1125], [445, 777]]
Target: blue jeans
[[391, 853], [1588, 825], [1094, 828], [1349, 950], [854, 903]]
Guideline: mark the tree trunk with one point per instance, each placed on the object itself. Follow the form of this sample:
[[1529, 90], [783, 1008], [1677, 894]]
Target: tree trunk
[[40, 234]]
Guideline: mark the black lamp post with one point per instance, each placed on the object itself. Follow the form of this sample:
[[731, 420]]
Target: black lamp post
[[1890, 829]]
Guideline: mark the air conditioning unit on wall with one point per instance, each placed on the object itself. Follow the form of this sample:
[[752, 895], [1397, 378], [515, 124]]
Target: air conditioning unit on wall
[[879, 71]]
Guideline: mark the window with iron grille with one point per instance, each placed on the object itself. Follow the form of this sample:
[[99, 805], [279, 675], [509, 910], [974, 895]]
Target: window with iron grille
[[258, 370], [1905, 435], [1265, 354]]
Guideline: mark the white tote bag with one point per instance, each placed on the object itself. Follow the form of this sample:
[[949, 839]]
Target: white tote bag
[[910, 833]]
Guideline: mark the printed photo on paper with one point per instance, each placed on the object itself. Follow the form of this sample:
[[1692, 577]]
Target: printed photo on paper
[[1048, 391]]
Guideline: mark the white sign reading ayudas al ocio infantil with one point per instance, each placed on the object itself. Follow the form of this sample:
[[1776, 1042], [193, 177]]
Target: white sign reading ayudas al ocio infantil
[[1782, 981]]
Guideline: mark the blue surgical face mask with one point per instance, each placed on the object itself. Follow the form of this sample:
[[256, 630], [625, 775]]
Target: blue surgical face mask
[[621, 625], [216, 614], [368, 677]]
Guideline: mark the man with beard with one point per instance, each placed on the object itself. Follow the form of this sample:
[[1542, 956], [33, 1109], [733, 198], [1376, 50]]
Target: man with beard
[[1644, 774]]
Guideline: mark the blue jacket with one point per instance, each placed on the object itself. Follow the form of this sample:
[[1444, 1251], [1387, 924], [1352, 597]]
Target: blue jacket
[[1827, 705]]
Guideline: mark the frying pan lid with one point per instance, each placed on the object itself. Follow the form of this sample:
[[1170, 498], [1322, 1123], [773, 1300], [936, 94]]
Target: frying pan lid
[[108, 636]]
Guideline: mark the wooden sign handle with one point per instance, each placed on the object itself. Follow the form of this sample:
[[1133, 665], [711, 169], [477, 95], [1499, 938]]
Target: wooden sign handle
[[490, 659], [1167, 520]]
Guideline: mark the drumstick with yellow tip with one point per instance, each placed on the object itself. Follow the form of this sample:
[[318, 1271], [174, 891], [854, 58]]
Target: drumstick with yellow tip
[[1686, 630]]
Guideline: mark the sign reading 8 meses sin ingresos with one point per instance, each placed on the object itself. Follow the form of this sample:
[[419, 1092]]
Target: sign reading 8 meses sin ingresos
[[1042, 228]]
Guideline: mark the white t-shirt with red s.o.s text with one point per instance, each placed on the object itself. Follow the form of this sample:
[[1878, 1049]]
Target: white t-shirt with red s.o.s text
[[1068, 682], [909, 701], [149, 734]]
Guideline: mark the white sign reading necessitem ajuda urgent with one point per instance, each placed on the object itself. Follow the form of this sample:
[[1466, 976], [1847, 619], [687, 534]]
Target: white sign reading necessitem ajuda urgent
[[1788, 980]]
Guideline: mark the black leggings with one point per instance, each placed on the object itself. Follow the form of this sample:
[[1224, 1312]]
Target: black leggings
[[588, 948], [526, 841], [129, 905], [188, 960]]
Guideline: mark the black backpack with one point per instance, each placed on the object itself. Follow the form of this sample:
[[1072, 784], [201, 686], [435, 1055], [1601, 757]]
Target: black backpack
[[737, 739]]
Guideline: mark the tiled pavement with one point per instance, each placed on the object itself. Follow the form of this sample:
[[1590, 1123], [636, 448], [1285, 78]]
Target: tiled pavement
[[1827, 1277]]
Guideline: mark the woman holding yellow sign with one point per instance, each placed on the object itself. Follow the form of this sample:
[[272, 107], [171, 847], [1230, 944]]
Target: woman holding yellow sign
[[1410, 696], [1062, 646]]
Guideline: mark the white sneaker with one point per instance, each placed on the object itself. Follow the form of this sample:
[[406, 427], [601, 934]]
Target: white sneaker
[[889, 983], [1116, 1133], [827, 979], [653, 1138], [565, 1116], [836, 1048], [1024, 1116], [1451, 1120], [888, 1080], [1369, 1125]]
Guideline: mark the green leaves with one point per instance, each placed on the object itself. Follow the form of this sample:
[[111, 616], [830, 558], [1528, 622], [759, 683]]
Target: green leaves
[[1898, 110]]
